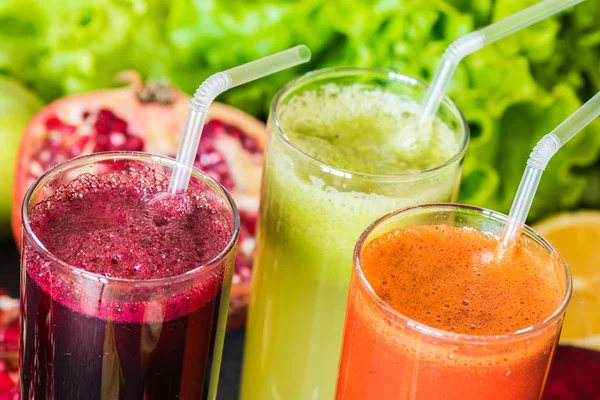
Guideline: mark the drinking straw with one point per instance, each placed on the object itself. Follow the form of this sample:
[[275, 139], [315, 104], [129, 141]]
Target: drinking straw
[[536, 164], [206, 94], [476, 40]]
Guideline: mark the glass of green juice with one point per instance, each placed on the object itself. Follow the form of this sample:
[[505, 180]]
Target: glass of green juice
[[342, 151]]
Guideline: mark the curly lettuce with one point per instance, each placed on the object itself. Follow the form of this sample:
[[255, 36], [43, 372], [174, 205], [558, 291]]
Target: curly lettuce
[[511, 93]]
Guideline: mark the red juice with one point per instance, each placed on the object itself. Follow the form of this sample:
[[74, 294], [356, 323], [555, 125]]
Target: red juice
[[144, 325]]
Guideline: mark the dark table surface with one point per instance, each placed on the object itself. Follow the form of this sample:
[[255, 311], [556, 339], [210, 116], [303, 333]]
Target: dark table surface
[[234, 341]]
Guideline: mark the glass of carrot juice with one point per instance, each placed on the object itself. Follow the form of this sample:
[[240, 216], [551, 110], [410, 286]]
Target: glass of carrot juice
[[438, 309]]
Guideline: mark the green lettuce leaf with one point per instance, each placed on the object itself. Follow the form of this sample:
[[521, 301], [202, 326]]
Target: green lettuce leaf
[[511, 93], [562, 186]]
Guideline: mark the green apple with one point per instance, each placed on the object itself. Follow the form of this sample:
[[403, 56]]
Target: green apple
[[17, 106]]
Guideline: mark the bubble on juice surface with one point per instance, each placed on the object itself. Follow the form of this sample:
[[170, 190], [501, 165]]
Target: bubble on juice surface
[[164, 208]]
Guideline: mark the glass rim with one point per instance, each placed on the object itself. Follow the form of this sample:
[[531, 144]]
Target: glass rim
[[390, 75], [455, 336], [124, 155]]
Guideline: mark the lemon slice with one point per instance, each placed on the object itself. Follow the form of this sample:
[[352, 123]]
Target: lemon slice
[[577, 237]]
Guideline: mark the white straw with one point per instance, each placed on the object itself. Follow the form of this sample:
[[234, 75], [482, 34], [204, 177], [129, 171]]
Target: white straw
[[206, 94], [536, 164], [474, 41]]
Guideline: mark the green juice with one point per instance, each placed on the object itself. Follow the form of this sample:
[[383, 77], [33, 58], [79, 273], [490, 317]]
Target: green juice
[[314, 208]]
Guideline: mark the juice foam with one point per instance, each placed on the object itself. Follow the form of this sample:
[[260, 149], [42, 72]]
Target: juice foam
[[123, 225], [451, 278], [364, 129]]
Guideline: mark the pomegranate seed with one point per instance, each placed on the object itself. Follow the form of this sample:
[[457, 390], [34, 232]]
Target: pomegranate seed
[[204, 146], [250, 144], [134, 143], [227, 181], [117, 139], [104, 120], [214, 127], [10, 334], [101, 128], [249, 221], [235, 133], [105, 115], [6, 383], [101, 142], [53, 123], [119, 126], [12, 395]]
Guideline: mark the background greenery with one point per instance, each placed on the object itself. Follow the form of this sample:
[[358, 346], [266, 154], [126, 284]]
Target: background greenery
[[511, 93]]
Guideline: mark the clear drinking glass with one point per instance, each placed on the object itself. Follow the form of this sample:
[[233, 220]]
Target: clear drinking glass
[[89, 336], [387, 355], [310, 217]]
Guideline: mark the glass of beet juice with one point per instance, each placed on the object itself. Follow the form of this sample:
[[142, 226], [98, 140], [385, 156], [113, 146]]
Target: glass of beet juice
[[124, 287]]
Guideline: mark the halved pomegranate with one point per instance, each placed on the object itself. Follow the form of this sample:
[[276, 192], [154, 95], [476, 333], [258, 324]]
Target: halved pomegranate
[[149, 118]]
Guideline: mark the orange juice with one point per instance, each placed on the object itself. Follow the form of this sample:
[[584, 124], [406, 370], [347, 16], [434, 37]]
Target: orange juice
[[442, 316]]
